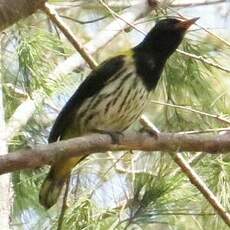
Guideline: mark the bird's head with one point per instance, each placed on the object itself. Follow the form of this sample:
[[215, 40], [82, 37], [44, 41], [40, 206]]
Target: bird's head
[[167, 34]]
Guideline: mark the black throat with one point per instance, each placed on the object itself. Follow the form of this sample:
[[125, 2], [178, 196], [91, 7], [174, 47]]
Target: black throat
[[149, 64], [152, 53]]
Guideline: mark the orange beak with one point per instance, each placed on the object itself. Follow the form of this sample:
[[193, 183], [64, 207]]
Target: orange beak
[[184, 25]]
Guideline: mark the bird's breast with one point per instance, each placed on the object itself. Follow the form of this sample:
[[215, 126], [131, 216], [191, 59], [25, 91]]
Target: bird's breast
[[116, 106]]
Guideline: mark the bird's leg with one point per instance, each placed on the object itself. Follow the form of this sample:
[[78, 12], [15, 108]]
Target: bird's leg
[[115, 136]]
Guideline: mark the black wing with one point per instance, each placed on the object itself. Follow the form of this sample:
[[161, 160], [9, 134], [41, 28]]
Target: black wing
[[90, 86]]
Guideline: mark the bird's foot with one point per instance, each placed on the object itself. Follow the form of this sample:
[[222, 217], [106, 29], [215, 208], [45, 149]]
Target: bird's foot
[[115, 136]]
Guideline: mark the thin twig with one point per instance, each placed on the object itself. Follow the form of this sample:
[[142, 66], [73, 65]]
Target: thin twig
[[92, 63], [200, 58], [214, 35], [208, 31], [195, 4], [56, 19], [103, 37], [204, 60], [217, 117], [199, 184], [84, 22], [121, 18], [216, 130], [97, 185], [125, 4], [192, 162]]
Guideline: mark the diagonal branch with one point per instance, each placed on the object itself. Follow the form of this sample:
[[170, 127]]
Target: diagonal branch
[[199, 58], [103, 37], [118, 4], [204, 60], [209, 32], [201, 3], [21, 115], [196, 180], [201, 186], [55, 18], [112, 12]]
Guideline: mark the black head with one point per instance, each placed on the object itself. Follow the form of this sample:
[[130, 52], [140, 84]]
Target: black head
[[166, 35]]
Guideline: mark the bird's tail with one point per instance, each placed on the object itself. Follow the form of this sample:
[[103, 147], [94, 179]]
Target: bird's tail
[[54, 182], [50, 190]]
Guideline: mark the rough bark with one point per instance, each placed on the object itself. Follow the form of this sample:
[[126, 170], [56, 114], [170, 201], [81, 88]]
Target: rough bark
[[172, 142], [12, 11]]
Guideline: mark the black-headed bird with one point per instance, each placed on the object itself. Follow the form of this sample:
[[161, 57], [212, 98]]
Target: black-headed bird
[[112, 97]]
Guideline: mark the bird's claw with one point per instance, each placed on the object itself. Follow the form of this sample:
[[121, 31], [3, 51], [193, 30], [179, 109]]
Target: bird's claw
[[115, 136]]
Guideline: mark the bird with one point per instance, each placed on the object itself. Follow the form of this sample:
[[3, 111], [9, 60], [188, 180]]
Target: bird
[[112, 97]]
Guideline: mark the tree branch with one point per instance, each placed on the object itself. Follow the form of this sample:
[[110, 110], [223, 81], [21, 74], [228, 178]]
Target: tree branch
[[81, 146], [201, 186], [21, 115], [217, 117], [55, 18], [103, 37], [204, 60], [208, 31], [195, 179], [12, 11], [119, 4], [201, 3], [113, 13]]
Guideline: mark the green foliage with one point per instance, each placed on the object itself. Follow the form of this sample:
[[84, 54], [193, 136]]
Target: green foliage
[[25, 206], [80, 215], [33, 54], [189, 82]]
